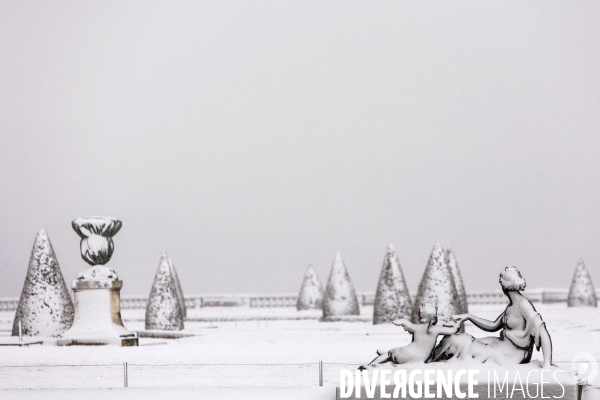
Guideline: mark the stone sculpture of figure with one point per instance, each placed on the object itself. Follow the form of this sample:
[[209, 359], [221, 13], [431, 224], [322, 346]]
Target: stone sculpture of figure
[[520, 325], [425, 335]]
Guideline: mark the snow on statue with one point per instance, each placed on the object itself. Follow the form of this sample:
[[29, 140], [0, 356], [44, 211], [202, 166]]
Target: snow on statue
[[339, 298], [178, 287], [424, 337], [163, 310], [311, 291], [437, 287], [45, 307], [456, 275], [582, 291], [521, 330], [392, 299]]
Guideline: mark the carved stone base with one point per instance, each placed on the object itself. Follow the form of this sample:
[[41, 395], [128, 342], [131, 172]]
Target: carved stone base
[[97, 316]]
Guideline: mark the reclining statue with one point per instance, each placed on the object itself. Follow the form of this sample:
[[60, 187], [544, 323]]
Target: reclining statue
[[521, 328], [520, 325]]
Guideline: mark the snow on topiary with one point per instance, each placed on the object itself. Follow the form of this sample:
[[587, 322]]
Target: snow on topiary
[[163, 310], [437, 287], [392, 299], [339, 298], [456, 275], [178, 288], [311, 291], [45, 307], [582, 292]]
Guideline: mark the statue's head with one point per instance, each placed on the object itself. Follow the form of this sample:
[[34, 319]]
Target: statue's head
[[428, 314], [511, 279]]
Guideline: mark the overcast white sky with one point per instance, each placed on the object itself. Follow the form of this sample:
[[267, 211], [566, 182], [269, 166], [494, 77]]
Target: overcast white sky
[[250, 139]]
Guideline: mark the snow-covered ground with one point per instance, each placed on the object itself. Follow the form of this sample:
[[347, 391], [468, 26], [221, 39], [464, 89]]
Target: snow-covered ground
[[277, 347]]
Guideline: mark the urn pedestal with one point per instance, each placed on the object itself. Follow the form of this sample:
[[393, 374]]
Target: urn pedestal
[[98, 316], [97, 289]]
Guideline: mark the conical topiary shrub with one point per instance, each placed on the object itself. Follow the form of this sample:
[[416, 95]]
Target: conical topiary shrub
[[178, 288], [437, 287], [582, 292], [163, 310], [45, 307], [392, 299], [311, 291], [339, 298], [456, 275]]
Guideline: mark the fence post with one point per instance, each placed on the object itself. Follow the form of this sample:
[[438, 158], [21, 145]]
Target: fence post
[[125, 383], [320, 373], [20, 333]]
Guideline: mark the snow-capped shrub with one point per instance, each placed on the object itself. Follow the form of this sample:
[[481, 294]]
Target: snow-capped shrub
[[582, 292], [437, 287], [163, 310], [339, 298], [392, 299], [311, 291], [45, 307]]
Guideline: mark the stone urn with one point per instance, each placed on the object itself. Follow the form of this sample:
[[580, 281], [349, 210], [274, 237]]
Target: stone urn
[[97, 245], [97, 289]]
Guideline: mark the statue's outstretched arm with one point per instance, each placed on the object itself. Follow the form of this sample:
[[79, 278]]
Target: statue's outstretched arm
[[481, 323], [406, 324], [447, 330]]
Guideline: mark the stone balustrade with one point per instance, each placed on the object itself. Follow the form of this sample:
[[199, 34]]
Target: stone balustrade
[[289, 300]]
